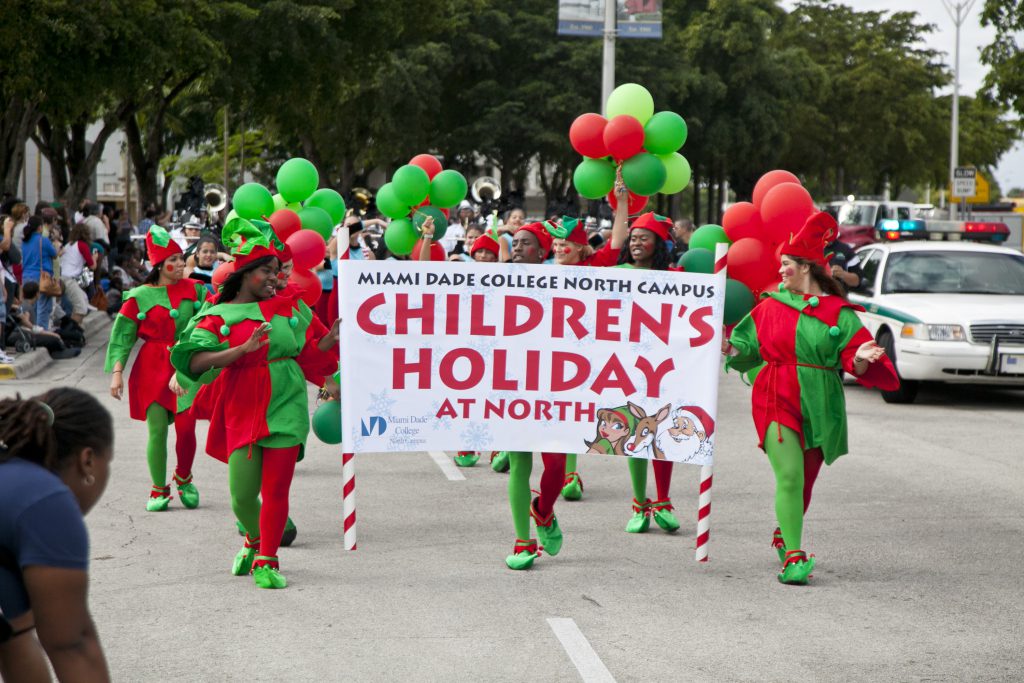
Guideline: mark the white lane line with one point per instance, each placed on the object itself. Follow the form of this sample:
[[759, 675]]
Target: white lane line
[[586, 661], [447, 465]]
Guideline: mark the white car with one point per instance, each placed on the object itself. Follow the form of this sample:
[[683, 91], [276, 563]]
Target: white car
[[945, 311]]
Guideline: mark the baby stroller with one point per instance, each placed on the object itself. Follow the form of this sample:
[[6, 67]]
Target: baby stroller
[[18, 337]]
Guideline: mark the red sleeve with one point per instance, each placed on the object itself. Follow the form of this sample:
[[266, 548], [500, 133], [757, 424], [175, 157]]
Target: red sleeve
[[605, 257], [86, 253], [213, 323], [130, 310], [880, 374]]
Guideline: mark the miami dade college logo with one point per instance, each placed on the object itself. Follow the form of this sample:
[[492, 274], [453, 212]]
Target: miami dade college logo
[[376, 427]]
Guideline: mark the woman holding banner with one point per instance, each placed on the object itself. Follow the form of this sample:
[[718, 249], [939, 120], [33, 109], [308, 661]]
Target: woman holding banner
[[648, 248], [795, 342], [267, 346]]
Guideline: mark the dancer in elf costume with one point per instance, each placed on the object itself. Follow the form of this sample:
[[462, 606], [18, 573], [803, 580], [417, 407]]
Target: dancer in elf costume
[[796, 340], [571, 248], [158, 312], [265, 346], [648, 248]]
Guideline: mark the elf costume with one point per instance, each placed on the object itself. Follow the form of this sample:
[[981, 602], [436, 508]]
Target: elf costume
[[643, 507], [795, 345], [260, 420], [159, 314]]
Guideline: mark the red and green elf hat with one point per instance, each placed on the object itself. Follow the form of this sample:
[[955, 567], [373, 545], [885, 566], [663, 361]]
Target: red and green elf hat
[[247, 241], [570, 229], [485, 242], [160, 246], [543, 236], [659, 225], [809, 242]]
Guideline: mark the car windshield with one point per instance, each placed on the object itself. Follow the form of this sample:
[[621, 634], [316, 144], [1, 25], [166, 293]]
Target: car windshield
[[953, 272], [856, 214]]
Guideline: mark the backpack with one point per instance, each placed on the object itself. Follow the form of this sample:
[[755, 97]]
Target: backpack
[[71, 333]]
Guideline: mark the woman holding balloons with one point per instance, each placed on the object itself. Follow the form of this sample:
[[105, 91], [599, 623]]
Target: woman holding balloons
[[266, 346]]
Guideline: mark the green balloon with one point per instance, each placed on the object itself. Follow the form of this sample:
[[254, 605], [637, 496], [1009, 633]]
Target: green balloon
[[440, 222], [698, 260], [664, 133], [594, 178], [231, 214], [677, 173], [412, 184], [316, 219], [739, 301], [297, 179], [447, 189], [631, 99], [326, 422], [279, 202], [252, 200], [644, 174], [330, 201], [389, 204], [400, 236], [707, 236]]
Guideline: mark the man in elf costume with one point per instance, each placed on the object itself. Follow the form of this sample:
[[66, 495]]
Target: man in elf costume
[[158, 312], [797, 339]]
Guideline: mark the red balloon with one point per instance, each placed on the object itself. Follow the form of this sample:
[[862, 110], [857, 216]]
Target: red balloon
[[637, 202], [308, 285], [308, 249], [587, 135], [751, 262], [784, 210], [447, 213], [437, 252], [428, 162], [770, 180], [742, 219], [624, 136], [285, 223], [222, 272]]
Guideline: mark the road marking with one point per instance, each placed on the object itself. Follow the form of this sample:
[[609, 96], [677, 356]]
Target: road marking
[[586, 661], [447, 465]]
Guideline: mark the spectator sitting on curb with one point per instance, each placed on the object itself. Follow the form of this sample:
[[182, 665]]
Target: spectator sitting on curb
[[51, 341]]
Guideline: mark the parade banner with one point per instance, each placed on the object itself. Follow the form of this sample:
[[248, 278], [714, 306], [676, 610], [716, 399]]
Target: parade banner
[[484, 356], [634, 18]]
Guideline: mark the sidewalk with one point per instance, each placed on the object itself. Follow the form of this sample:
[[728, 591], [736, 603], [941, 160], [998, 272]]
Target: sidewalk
[[29, 364]]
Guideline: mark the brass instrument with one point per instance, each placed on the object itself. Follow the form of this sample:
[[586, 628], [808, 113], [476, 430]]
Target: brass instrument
[[361, 199], [216, 198], [485, 189]]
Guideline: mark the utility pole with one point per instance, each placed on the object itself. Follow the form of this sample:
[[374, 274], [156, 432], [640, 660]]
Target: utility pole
[[958, 12], [227, 186], [608, 62]]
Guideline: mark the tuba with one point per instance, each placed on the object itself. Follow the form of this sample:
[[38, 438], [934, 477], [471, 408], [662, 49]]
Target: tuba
[[485, 189], [216, 198], [361, 199]]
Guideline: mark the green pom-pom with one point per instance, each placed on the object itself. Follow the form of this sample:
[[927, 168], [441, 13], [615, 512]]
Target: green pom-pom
[[142, 316], [174, 313], [294, 322], [224, 330], [834, 331], [814, 301]]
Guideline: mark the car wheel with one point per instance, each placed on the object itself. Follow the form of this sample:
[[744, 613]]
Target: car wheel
[[908, 387]]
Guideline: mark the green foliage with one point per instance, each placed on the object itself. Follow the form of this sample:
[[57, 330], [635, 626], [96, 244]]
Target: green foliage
[[1004, 56]]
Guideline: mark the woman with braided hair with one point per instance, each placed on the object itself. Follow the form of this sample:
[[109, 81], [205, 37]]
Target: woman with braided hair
[[158, 312], [55, 454]]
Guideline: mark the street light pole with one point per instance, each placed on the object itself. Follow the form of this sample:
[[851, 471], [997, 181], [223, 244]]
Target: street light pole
[[608, 65], [958, 13]]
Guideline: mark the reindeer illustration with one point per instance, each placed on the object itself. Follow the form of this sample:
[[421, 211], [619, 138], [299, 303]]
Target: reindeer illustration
[[645, 434]]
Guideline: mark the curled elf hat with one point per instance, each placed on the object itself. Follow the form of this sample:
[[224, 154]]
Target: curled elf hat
[[541, 233], [485, 242], [700, 418], [570, 229], [248, 242], [159, 245], [659, 225], [809, 242]]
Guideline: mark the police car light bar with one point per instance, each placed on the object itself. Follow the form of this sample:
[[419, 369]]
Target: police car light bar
[[983, 231]]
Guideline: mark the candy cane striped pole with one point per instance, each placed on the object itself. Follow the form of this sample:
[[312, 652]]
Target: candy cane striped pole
[[348, 464], [704, 501]]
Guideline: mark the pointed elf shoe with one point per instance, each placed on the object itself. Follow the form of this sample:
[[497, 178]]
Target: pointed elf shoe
[[266, 572], [466, 458], [159, 499], [662, 510], [523, 554], [499, 461], [548, 531], [640, 522], [290, 532], [187, 491], [243, 560], [573, 489], [797, 568]]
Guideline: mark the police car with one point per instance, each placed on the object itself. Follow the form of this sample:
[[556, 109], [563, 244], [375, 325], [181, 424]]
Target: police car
[[946, 302]]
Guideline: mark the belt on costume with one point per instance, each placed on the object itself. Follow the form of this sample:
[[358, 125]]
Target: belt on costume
[[803, 365]]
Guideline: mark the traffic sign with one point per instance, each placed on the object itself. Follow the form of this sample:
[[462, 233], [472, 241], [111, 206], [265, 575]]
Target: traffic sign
[[964, 181]]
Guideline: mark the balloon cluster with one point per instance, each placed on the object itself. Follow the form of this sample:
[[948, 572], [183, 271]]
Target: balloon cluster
[[645, 143], [301, 216], [418, 190]]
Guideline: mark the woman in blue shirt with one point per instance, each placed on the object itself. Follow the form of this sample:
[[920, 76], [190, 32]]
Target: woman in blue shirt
[[55, 452], [37, 254]]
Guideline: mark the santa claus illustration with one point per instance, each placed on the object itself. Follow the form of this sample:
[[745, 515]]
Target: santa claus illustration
[[689, 437]]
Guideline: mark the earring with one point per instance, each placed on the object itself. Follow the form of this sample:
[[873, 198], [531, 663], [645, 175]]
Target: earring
[[89, 480]]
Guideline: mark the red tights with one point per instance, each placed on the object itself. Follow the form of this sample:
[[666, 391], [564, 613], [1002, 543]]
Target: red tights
[[813, 460], [278, 468], [551, 482], [184, 443]]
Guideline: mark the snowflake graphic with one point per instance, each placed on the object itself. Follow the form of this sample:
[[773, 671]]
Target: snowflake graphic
[[475, 437], [380, 404], [483, 345]]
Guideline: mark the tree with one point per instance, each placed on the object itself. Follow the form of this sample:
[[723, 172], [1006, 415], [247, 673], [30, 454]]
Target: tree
[[1006, 75]]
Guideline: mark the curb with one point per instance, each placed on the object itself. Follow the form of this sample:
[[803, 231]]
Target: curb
[[29, 364]]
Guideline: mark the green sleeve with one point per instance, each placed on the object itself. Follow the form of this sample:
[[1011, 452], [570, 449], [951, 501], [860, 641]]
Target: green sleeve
[[123, 336], [199, 340], [744, 340]]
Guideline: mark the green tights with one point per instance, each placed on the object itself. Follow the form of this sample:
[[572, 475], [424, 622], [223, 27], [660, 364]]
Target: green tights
[[570, 463], [787, 459], [157, 422], [520, 466]]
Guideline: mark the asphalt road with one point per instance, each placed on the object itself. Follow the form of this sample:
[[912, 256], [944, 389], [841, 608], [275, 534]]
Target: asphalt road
[[918, 534]]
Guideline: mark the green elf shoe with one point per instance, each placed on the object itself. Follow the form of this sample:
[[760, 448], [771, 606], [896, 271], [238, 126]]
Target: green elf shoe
[[663, 515], [187, 491], [573, 489], [159, 499], [797, 568], [466, 458], [243, 560], [290, 532], [266, 572], [548, 531], [641, 520], [523, 554], [499, 461], [779, 544]]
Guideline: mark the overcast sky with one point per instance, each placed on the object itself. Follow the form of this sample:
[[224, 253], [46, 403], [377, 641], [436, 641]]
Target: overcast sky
[[1010, 172]]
